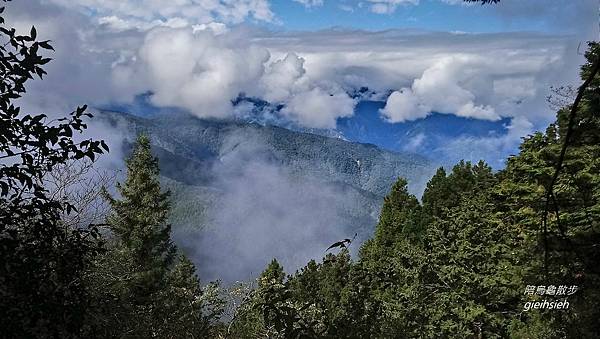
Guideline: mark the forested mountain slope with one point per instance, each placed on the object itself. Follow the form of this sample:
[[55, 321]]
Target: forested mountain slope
[[236, 180]]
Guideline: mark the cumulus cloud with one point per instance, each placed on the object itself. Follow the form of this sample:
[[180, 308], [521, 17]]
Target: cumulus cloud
[[404, 105], [202, 73], [319, 109], [439, 90], [306, 102], [191, 70], [282, 76], [200, 69], [449, 73]]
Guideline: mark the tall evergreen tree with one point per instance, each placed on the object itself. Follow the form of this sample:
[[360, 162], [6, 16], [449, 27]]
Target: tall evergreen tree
[[141, 290], [400, 217], [139, 221], [475, 269], [273, 274]]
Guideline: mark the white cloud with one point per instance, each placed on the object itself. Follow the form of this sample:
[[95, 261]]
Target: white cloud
[[195, 71], [515, 88], [453, 70], [439, 89], [388, 6], [309, 103], [319, 109], [216, 27], [404, 105], [450, 73], [282, 76], [116, 23], [202, 73], [310, 3], [145, 14]]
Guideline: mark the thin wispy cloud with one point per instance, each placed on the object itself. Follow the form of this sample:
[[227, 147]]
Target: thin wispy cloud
[[310, 3]]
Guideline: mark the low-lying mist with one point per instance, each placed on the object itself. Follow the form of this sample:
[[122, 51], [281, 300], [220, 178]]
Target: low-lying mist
[[264, 210]]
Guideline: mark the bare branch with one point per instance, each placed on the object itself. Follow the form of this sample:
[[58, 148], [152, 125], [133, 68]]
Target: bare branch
[[80, 184]]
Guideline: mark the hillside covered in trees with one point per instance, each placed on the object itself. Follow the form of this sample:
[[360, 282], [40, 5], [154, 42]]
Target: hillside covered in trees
[[469, 259]]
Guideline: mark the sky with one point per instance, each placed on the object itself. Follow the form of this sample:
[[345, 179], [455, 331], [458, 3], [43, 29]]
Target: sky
[[435, 15], [310, 57]]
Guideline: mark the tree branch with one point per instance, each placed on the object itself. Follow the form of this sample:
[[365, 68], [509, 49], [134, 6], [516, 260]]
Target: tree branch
[[559, 165]]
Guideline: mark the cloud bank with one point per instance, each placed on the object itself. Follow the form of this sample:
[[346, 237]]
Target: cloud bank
[[202, 65], [265, 212]]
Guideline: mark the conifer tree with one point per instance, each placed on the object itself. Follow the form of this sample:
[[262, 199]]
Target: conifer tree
[[139, 218], [189, 311], [436, 194], [399, 215], [475, 267], [400, 219], [273, 274], [129, 279], [141, 290], [333, 292], [566, 249]]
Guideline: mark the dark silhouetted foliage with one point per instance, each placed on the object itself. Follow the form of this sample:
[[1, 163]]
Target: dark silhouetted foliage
[[41, 290]]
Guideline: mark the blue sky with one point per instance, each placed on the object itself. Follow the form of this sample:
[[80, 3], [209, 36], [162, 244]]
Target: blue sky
[[428, 14]]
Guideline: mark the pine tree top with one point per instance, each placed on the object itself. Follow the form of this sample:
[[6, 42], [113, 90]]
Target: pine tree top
[[139, 218]]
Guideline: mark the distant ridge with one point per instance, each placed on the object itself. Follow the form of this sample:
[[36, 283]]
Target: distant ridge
[[204, 141]]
